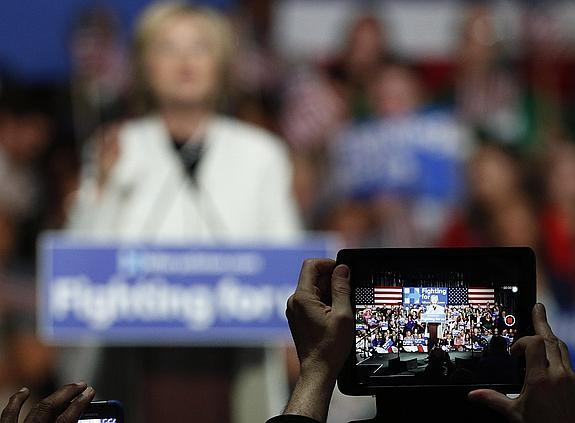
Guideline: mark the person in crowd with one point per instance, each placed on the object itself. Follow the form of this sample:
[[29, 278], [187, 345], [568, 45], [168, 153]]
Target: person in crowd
[[257, 72], [487, 321], [500, 320], [497, 365], [485, 92], [498, 210], [400, 171], [320, 99], [557, 220], [439, 368], [547, 66], [321, 321], [185, 173], [27, 129], [366, 49], [27, 133], [410, 323], [100, 71]]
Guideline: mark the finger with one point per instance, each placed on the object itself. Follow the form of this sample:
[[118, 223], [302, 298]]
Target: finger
[[111, 133], [533, 348], [77, 407], [312, 272], [323, 283], [341, 290], [109, 145], [542, 328], [50, 406], [565, 356], [12, 410], [492, 399]]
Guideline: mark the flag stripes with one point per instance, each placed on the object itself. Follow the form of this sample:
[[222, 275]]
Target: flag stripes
[[388, 295], [478, 295]]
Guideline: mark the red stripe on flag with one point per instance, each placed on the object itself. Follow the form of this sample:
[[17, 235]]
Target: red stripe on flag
[[478, 295], [388, 295]]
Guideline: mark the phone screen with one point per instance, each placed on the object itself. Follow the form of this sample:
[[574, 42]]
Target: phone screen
[[103, 412]]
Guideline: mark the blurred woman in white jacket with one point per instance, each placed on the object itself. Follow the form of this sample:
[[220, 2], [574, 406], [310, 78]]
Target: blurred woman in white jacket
[[232, 184], [183, 173]]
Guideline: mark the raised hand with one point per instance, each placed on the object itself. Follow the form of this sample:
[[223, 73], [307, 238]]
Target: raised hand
[[63, 406], [549, 389]]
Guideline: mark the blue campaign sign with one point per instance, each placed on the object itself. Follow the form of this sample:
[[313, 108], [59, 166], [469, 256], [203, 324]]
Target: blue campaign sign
[[434, 295], [424, 296], [165, 294]]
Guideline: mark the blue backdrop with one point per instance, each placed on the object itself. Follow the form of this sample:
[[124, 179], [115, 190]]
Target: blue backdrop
[[34, 33]]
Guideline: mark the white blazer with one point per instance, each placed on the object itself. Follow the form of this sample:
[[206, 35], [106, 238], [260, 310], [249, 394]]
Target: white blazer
[[243, 191]]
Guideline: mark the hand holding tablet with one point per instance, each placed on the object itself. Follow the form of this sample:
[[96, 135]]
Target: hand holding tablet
[[549, 389], [321, 323], [547, 382]]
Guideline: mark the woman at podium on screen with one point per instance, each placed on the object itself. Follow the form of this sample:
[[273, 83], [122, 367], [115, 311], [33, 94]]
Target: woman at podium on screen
[[183, 172], [434, 316]]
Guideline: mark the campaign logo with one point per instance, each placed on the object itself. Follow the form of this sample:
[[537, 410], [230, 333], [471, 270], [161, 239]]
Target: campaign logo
[[411, 296]]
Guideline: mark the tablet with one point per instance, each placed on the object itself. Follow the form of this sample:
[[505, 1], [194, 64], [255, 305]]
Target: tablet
[[438, 318]]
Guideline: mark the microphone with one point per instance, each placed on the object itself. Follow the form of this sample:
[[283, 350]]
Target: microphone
[[191, 154]]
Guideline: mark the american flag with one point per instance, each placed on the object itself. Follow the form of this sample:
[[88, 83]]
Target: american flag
[[457, 296], [379, 295], [481, 295], [312, 111], [472, 295]]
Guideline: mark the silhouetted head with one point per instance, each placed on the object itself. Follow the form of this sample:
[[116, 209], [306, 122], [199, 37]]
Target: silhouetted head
[[497, 345]]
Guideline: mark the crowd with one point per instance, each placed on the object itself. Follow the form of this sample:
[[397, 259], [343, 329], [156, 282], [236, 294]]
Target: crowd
[[386, 151], [477, 150], [392, 329]]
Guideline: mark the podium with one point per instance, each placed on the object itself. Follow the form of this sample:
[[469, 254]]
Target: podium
[[118, 293]]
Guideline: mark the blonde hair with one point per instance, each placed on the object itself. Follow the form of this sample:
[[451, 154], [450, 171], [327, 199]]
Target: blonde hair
[[218, 30]]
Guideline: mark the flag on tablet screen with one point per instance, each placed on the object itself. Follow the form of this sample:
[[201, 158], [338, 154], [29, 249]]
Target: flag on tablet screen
[[379, 296], [481, 295]]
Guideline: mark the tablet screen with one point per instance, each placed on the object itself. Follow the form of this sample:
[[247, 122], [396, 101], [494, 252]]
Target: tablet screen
[[421, 322]]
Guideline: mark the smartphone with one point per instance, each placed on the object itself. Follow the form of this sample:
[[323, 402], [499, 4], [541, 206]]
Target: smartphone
[[103, 412], [438, 318]]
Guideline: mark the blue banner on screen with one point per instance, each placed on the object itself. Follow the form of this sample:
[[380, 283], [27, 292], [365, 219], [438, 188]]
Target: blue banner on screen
[[147, 294], [425, 296], [433, 298]]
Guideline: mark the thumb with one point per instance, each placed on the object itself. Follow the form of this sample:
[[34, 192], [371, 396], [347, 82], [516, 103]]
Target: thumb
[[492, 399], [341, 289]]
